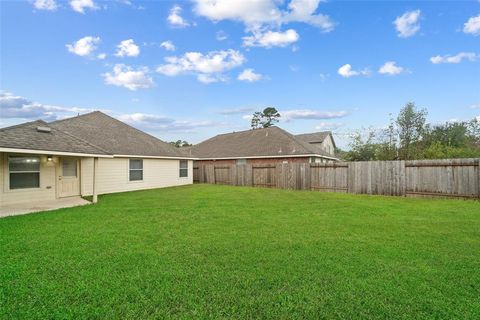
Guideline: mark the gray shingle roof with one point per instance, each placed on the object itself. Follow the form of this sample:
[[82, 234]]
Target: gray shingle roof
[[26, 136], [115, 136], [314, 137], [271, 141]]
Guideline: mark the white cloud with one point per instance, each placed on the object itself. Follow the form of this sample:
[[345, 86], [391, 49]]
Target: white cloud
[[125, 76], [12, 106], [127, 48], [249, 75], [250, 12], [475, 106], [84, 47], [221, 35], [391, 68], [101, 56], [304, 11], [175, 19], [161, 123], [233, 111], [211, 78], [270, 38], [309, 114], [144, 117], [470, 56], [81, 5], [208, 67], [472, 26], [49, 5], [407, 24], [168, 45], [346, 71], [328, 126], [260, 13]]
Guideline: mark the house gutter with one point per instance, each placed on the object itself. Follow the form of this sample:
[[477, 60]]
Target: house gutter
[[266, 157], [153, 157], [54, 153]]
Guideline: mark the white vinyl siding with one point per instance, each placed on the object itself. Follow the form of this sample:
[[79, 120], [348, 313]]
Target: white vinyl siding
[[135, 170], [113, 175], [24, 172]]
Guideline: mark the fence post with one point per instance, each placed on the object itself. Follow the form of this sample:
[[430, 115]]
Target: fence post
[[404, 171], [233, 175], [249, 175], [307, 177], [478, 178]]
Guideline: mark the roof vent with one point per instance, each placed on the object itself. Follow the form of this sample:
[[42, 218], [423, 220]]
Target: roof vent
[[44, 129]]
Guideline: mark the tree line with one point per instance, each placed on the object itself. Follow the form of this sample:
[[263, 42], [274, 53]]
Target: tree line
[[410, 137], [407, 137]]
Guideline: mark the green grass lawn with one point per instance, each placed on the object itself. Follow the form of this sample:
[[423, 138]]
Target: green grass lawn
[[207, 251]]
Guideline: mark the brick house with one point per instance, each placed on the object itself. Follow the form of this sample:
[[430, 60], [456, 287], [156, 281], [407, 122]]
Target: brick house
[[267, 145]]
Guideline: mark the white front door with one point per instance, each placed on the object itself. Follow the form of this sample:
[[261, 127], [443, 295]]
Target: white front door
[[68, 179]]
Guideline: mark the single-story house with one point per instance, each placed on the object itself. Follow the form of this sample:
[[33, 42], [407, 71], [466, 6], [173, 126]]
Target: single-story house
[[85, 155], [266, 145]]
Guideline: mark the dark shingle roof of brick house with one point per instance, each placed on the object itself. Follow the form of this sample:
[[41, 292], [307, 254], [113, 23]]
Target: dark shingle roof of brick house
[[316, 138], [271, 141], [28, 136], [313, 137]]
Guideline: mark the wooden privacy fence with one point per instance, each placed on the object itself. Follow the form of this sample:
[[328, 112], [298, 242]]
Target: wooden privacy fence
[[458, 178]]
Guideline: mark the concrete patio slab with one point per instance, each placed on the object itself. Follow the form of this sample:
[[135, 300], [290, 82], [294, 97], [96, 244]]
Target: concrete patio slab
[[25, 208]]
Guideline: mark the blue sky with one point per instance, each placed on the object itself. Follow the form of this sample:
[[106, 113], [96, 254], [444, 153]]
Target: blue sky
[[193, 69]]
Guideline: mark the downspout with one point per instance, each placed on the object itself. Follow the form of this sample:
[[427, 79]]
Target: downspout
[[95, 168]]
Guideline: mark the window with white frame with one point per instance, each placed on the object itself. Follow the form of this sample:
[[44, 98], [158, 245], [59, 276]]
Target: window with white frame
[[183, 168], [24, 172], [136, 170]]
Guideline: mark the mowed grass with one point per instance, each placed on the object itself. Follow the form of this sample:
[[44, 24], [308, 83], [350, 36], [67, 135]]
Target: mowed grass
[[207, 251]]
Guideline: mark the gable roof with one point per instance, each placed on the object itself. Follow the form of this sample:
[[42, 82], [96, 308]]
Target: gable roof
[[116, 137], [27, 136], [271, 141], [315, 137]]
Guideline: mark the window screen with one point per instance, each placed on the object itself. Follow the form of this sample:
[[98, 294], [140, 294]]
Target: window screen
[[183, 168], [24, 172], [136, 170], [69, 168]]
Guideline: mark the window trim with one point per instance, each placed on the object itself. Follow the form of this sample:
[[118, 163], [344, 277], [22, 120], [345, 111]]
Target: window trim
[[180, 168], [130, 170], [8, 173], [76, 167]]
